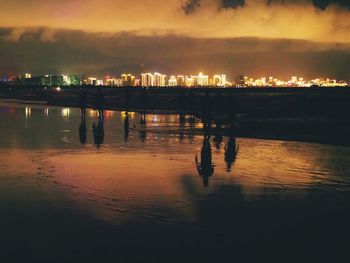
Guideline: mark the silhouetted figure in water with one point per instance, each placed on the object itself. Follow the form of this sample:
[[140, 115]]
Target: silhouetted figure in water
[[143, 119], [142, 132], [83, 101], [182, 122], [126, 126], [206, 110], [205, 167], [99, 102], [99, 132], [231, 149], [82, 129], [218, 134]]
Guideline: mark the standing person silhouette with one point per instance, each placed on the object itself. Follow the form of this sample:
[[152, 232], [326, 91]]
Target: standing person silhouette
[[99, 102], [82, 129], [205, 166], [206, 110], [98, 132], [83, 101], [231, 149], [126, 126]]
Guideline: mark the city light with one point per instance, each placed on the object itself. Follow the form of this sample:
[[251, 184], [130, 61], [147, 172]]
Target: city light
[[162, 80]]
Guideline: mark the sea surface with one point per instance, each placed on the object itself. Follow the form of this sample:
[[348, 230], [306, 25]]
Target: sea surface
[[154, 188]]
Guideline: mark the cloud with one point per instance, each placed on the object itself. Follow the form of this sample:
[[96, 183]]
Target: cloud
[[298, 19], [78, 52], [190, 6]]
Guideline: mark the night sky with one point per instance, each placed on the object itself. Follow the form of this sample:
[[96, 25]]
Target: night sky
[[255, 37]]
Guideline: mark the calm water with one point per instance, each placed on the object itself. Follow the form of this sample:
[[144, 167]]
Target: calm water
[[126, 191]]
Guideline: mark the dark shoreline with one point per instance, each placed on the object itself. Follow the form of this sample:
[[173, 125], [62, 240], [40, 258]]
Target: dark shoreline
[[303, 114]]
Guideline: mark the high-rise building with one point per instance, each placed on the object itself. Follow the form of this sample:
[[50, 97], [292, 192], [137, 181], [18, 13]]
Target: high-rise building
[[128, 80], [92, 81], [28, 76], [159, 80], [181, 80], [172, 81], [219, 80], [189, 81], [99, 82], [147, 80], [202, 80]]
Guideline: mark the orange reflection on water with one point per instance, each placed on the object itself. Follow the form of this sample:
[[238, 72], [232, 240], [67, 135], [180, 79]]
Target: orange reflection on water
[[119, 185]]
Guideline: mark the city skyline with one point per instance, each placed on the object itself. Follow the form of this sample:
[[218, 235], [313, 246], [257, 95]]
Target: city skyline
[[157, 79]]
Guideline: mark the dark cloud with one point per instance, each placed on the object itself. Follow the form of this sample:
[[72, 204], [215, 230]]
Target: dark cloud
[[322, 4], [232, 3], [190, 6], [77, 52]]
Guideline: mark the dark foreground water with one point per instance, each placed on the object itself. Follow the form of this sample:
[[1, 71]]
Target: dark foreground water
[[155, 191]]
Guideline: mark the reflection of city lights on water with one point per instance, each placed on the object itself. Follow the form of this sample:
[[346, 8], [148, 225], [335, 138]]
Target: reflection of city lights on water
[[93, 113], [46, 112], [199, 125], [130, 114], [152, 118], [28, 112], [66, 112], [109, 113]]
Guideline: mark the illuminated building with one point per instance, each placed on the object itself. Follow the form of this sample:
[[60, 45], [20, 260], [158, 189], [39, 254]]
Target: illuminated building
[[189, 81], [71, 80], [28, 76], [201, 80], [92, 81], [172, 82], [137, 82], [219, 80], [128, 80], [147, 80], [111, 82], [159, 80], [99, 82], [181, 81]]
